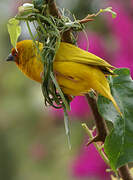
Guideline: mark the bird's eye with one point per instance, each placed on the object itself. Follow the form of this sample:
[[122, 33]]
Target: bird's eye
[[15, 54]]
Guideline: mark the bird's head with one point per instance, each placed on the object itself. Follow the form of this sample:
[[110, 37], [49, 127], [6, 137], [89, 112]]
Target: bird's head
[[13, 56], [27, 59], [23, 52]]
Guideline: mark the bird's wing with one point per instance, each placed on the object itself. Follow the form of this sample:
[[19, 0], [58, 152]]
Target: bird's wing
[[69, 52]]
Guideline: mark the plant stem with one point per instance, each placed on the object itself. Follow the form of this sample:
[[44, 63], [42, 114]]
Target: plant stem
[[125, 173], [102, 130], [102, 154], [53, 9]]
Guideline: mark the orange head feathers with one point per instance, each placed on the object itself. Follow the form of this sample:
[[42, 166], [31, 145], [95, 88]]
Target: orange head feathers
[[27, 59]]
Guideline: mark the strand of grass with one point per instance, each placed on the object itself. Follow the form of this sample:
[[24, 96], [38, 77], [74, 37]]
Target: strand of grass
[[65, 108], [67, 129], [33, 38], [89, 133], [49, 21], [86, 36], [57, 33], [60, 91], [37, 32], [40, 24], [25, 18]]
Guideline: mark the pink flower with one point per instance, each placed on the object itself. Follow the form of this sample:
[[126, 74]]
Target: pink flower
[[122, 31], [95, 43], [89, 164]]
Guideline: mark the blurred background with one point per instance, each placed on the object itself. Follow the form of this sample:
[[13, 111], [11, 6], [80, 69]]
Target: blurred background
[[33, 144]]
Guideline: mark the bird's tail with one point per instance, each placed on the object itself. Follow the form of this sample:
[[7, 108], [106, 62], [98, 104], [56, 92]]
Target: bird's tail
[[115, 105], [107, 94]]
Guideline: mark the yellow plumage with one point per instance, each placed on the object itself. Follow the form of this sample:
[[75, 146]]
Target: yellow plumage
[[77, 71]]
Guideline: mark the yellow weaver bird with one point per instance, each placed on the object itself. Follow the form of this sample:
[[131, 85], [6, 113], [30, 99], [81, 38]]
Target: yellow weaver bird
[[77, 71]]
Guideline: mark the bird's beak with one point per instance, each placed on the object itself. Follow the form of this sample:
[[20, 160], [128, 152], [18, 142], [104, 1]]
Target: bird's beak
[[10, 57]]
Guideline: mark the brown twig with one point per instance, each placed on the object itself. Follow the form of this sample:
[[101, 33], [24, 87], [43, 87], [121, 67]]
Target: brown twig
[[102, 130], [125, 173], [87, 18], [53, 8], [66, 37], [82, 21]]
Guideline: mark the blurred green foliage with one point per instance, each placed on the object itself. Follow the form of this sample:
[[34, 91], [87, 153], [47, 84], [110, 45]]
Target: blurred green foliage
[[33, 144]]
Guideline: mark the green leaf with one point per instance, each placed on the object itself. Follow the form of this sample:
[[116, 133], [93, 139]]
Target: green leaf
[[119, 144], [109, 9], [14, 31]]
